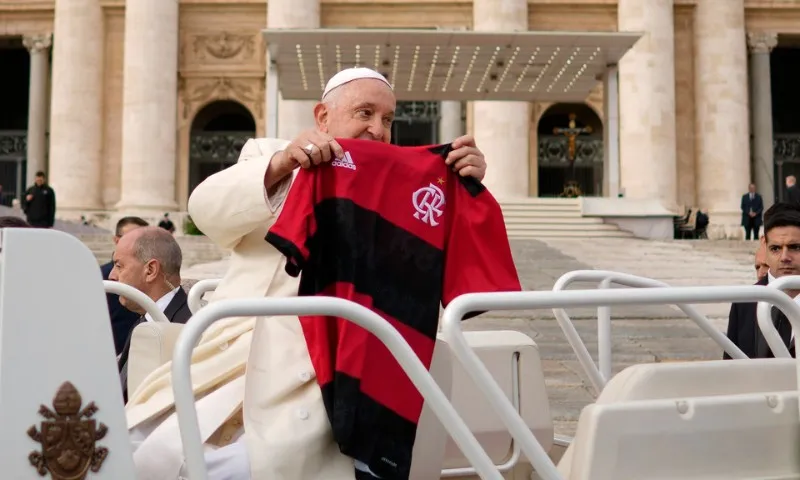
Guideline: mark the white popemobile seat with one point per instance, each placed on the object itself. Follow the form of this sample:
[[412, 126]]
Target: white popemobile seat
[[58, 376]]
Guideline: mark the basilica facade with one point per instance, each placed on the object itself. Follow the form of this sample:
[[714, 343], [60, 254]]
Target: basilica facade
[[128, 105]]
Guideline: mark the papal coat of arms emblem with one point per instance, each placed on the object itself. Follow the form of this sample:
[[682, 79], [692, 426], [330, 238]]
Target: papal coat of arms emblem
[[68, 438]]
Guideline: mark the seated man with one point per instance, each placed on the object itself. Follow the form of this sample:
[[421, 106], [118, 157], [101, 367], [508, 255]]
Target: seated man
[[275, 427], [149, 259], [122, 319], [781, 246]]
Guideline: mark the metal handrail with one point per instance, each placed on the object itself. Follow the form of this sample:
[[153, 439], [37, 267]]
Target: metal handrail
[[197, 291], [201, 287], [138, 297], [482, 302], [361, 316], [763, 314], [600, 376]]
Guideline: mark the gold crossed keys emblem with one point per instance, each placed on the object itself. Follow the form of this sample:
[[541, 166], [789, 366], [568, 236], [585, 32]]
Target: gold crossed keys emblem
[[68, 438]]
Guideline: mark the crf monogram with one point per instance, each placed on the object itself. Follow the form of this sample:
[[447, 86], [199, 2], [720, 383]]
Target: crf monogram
[[428, 203]]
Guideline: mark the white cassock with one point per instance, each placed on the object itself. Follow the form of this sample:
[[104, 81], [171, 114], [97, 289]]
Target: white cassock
[[283, 431]]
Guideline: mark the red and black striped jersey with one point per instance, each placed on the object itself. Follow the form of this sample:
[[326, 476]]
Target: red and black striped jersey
[[397, 231]]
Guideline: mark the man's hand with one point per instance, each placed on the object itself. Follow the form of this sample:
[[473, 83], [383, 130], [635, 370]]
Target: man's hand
[[310, 148], [466, 159], [29, 197]]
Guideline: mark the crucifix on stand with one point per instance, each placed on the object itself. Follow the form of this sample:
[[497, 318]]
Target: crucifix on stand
[[572, 188]]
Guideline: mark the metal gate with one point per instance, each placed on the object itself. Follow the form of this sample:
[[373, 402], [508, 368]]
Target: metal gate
[[554, 167], [416, 123], [786, 155], [212, 152], [13, 149]]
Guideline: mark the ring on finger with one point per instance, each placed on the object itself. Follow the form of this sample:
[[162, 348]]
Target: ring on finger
[[309, 149]]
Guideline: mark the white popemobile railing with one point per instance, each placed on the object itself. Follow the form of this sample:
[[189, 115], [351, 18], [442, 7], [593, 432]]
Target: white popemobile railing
[[763, 313], [361, 316], [482, 302], [600, 376], [195, 296], [138, 297]]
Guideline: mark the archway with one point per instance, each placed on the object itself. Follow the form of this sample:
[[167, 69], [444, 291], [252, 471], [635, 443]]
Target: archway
[[218, 133], [785, 67], [555, 170], [13, 118]]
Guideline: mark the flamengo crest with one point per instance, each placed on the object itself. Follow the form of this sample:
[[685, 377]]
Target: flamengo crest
[[428, 202], [68, 438]]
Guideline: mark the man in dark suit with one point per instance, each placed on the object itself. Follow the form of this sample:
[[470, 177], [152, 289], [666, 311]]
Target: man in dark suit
[[149, 259], [752, 207], [782, 245], [122, 319], [792, 194]]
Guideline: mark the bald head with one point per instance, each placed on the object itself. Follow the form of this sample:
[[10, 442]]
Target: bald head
[[149, 260], [154, 243], [760, 260]]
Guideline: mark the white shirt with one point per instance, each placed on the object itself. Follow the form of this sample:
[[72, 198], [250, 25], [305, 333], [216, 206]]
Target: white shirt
[[162, 303], [770, 279]]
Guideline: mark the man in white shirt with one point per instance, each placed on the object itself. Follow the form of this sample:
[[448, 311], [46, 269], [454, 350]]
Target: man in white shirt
[[286, 430], [782, 247], [149, 259]]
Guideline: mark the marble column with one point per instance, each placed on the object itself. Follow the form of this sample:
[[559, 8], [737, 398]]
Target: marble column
[[648, 165], [149, 107], [761, 44], [294, 116], [38, 100], [76, 108], [450, 124], [502, 129], [721, 108]]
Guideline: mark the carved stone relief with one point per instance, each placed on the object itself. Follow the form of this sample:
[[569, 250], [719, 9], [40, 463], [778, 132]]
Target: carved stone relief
[[198, 91], [220, 48]]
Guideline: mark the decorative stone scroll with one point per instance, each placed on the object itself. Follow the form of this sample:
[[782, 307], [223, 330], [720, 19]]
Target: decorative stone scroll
[[224, 46], [37, 43], [247, 91], [761, 42]]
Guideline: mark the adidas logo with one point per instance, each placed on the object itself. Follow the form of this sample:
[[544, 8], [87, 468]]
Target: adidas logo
[[346, 162]]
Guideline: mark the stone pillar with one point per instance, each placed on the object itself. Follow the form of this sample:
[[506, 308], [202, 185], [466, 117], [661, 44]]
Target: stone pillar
[[502, 129], [761, 44], [76, 109], [294, 116], [647, 102], [721, 109], [611, 130], [149, 107], [38, 100], [450, 124]]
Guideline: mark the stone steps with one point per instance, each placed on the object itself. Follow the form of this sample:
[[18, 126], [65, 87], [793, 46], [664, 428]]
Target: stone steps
[[195, 249], [554, 218]]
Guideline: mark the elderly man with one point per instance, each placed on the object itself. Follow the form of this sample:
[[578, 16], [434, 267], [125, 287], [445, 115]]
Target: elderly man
[[781, 246], [122, 319], [149, 259], [281, 420]]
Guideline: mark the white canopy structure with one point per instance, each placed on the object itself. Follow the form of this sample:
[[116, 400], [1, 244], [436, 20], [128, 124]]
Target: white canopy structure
[[453, 65]]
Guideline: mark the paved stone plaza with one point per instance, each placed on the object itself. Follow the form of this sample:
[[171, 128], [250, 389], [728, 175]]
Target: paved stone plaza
[[641, 334]]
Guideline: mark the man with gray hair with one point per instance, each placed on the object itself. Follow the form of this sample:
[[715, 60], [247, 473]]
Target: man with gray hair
[[149, 259]]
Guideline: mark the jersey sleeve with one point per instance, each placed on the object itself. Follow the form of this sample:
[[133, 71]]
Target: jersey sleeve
[[296, 222], [477, 253]]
